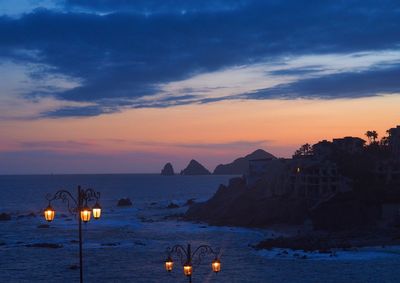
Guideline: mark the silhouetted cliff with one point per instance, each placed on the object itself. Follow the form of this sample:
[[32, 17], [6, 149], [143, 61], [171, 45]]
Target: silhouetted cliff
[[240, 166], [195, 168], [237, 205], [168, 170]]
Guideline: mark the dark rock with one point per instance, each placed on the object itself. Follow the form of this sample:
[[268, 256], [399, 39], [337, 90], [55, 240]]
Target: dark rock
[[195, 168], [176, 216], [2, 244], [124, 202], [74, 267], [110, 244], [168, 170], [138, 243], [153, 203], [146, 220], [5, 216], [321, 242], [43, 226], [189, 202], [172, 205], [240, 166], [45, 245], [31, 214]]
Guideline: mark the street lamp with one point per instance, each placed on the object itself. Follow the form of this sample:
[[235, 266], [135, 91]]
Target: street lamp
[[96, 210], [188, 258], [49, 213], [216, 265], [169, 264], [76, 206]]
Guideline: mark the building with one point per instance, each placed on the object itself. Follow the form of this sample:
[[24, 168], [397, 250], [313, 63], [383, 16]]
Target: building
[[394, 141], [387, 172], [316, 180], [307, 177], [322, 149], [261, 169], [349, 144]]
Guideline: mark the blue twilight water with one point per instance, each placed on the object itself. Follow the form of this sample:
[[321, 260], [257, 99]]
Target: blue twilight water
[[128, 244]]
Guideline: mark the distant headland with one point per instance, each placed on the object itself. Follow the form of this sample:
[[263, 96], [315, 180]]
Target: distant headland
[[237, 167], [344, 184]]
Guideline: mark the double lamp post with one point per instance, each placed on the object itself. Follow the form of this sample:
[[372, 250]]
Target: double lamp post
[[76, 206], [189, 258]]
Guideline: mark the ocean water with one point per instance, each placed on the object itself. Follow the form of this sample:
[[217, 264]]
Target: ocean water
[[128, 244]]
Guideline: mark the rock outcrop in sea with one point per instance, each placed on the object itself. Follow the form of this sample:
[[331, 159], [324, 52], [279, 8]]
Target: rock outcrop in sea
[[5, 216], [124, 202], [240, 166], [195, 168], [168, 170]]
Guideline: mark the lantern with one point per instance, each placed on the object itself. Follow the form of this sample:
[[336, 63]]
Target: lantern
[[49, 213], [216, 265], [85, 214], [187, 269], [169, 264], [96, 211]]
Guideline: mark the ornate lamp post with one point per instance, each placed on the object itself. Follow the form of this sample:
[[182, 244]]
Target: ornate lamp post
[[188, 258], [76, 206]]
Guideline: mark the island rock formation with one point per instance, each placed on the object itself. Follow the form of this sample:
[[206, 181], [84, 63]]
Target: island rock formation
[[240, 166], [195, 168], [168, 170]]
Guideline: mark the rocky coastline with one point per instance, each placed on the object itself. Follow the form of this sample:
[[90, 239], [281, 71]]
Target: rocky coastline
[[340, 223], [325, 242]]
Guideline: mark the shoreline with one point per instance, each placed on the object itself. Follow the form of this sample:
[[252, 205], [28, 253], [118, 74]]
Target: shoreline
[[326, 242]]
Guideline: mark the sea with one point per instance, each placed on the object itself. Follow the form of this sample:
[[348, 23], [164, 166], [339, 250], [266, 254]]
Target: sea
[[128, 244]]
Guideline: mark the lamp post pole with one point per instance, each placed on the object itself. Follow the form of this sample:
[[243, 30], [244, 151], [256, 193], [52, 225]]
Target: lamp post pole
[[76, 206], [189, 258], [80, 235]]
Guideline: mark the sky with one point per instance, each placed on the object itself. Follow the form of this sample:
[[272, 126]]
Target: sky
[[118, 86]]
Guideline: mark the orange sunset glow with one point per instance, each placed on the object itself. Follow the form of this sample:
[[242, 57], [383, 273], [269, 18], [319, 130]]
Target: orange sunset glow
[[213, 133]]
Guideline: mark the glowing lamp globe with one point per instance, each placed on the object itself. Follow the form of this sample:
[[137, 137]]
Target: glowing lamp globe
[[96, 211], [85, 214], [187, 269], [216, 265], [169, 264], [49, 213]]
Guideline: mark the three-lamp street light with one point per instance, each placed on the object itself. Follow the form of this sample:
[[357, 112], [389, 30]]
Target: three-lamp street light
[[188, 258], [76, 206]]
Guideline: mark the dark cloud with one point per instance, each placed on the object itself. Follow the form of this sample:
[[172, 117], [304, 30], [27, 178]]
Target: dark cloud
[[55, 145], [127, 54], [156, 6], [81, 111], [340, 85], [298, 71]]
